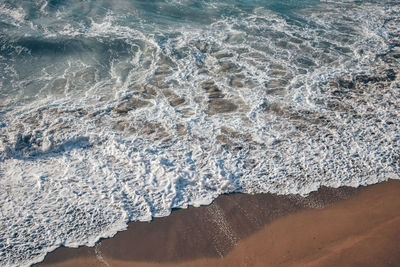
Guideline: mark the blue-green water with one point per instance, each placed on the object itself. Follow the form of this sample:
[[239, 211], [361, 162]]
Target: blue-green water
[[113, 111]]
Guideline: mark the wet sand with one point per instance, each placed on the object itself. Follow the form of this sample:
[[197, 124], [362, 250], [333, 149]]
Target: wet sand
[[331, 227]]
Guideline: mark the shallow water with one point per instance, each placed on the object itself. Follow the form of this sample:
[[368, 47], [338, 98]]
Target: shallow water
[[112, 112]]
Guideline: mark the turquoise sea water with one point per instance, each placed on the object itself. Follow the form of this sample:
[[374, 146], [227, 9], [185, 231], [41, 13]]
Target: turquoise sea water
[[113, 111]]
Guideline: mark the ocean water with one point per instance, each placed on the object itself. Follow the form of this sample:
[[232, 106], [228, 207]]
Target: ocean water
[[116, 111]]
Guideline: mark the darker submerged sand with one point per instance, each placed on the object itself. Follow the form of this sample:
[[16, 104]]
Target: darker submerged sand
[[331, 227]]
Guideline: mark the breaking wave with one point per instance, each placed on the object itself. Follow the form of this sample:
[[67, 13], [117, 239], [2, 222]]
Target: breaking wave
[[114, 112]]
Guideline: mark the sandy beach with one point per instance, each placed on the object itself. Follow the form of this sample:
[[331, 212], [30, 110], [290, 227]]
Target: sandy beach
[[330, 227], [188, 133]]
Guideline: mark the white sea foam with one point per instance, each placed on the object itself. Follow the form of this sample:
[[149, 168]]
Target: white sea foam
[[17, 15], [262, 103]]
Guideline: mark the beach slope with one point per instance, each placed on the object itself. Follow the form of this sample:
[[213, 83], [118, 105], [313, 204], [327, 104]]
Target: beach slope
[[331, 227]]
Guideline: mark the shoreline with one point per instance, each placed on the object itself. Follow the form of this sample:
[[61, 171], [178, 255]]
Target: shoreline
[[237, 229]]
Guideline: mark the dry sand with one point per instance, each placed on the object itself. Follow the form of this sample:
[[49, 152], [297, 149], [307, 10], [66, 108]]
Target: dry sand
[[331, 227]]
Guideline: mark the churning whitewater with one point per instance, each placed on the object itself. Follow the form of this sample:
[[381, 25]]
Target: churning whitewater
[[113, 111]]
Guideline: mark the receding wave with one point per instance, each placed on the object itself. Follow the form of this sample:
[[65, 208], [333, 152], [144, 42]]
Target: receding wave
[[119, 111]]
